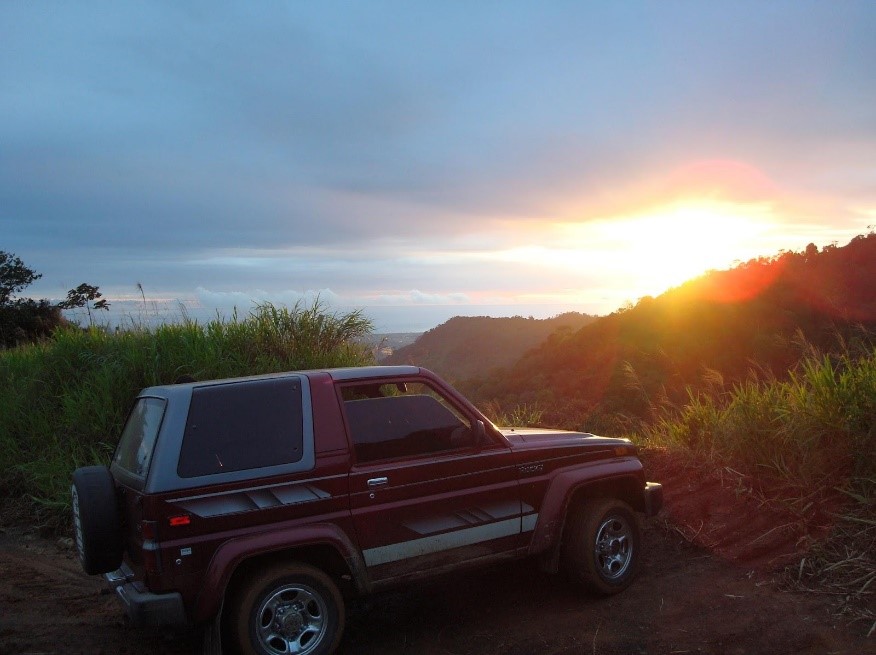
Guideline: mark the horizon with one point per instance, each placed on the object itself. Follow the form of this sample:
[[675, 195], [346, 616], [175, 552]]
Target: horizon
[[386, 319]]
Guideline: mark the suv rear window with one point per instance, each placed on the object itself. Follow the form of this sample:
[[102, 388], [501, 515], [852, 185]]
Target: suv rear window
[[138, 438], [242, 425]]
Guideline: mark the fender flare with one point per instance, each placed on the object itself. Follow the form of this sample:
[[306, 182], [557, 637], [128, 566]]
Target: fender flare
[[564, 484], [231, 554]]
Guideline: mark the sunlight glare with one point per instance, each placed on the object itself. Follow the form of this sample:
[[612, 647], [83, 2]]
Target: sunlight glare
[[660, 249]]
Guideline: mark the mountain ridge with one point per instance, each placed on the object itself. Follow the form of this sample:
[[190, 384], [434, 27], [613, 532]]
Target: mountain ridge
[[759, 315], [467, 346]]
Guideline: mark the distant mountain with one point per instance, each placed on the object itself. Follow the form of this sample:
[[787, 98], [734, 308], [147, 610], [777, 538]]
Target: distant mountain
[[709, 331], [385, 343], [465, 347]]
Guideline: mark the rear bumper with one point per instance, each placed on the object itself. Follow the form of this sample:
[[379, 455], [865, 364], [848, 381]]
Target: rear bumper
[[653, 498], [143, 607]]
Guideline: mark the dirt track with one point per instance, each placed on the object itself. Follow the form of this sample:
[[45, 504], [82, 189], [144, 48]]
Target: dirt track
[[719, 596], [685, 601]]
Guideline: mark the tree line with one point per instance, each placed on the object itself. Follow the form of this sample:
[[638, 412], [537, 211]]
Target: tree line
[[25, 320]]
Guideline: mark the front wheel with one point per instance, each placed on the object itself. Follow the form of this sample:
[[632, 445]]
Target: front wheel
[[601, 545], [288, 609]]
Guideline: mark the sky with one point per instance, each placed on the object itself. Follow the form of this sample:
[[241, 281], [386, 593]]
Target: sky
[[419, 160]]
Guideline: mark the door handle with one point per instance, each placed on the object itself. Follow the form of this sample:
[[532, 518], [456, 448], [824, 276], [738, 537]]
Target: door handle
[[377, 482]]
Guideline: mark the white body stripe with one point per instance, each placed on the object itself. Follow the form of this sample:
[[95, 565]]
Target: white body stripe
[[446, 541]]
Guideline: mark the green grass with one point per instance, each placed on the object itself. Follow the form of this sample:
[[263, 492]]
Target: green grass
[[521, 416], [819, 424], [63, 402], [814, 433]]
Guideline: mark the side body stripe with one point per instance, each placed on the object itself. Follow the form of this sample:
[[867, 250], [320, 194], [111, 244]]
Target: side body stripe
[[448, 540]]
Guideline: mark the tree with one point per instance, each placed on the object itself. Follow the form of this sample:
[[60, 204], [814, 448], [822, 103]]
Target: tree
[[14, 276], [22, 320], [81, 296]]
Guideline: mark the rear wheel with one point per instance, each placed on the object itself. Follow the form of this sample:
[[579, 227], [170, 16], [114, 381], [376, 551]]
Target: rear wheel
[[97, 528], [601, 545], [288, 609]]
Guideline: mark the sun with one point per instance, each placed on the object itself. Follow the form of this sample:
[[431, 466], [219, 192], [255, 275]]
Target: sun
[[658, 249]]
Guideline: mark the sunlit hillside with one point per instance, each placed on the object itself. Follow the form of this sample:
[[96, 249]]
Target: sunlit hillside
[[609, 375]]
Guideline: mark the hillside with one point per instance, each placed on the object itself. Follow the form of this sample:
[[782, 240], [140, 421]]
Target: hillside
[[465, 347], [713, 330]]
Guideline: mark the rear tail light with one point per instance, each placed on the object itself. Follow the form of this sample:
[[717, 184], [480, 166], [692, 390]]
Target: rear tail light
[[182, 519]]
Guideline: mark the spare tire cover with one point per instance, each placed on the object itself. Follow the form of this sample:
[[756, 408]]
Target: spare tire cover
[[97, 528]]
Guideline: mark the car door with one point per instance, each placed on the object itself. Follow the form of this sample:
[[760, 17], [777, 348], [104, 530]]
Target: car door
[[429, 488]]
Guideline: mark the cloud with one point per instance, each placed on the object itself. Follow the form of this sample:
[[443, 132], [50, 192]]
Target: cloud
[[417, 297], [246, 300]]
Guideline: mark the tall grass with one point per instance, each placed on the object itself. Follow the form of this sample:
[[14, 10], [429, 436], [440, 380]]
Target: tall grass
[[816, 433], [819, 423], [521, 416], [63, 402]]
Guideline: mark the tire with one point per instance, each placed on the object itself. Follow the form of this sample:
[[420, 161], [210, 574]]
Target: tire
[[601, 545], [97, 528], [288, 608]]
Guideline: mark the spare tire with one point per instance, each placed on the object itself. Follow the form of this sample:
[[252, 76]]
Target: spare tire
[[97, 528]]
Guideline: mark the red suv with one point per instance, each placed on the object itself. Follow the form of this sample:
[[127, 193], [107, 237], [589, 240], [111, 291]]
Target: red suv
[[258, 506]]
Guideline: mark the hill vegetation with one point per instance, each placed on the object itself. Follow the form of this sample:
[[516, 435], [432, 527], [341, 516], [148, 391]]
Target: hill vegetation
[[465, 347], [614, 374], [25, 320]]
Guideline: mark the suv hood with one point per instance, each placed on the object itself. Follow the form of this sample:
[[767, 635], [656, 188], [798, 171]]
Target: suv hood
[[525, 438]]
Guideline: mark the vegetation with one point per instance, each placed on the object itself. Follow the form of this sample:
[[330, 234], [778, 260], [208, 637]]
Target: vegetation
[[24, 320], [609, 375], [817, 424], [83, 296], [812, 435], [14, 276], [63, 401], [470, 346]]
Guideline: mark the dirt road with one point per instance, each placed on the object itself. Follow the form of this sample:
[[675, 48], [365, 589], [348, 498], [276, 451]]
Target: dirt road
[[685, 601], [707, 585]]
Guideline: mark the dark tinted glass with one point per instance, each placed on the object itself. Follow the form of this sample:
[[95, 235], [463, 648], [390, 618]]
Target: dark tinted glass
[[403, 426], [242, 425]]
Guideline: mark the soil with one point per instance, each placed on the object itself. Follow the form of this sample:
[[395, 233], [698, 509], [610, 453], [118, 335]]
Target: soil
[[709, 583]]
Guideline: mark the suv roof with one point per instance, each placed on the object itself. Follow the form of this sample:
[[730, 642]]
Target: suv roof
[[339, 374]]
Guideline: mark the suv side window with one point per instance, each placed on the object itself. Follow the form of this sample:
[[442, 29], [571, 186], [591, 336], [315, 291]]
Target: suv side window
[[134, 452], [391, 421], [242, 425]]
